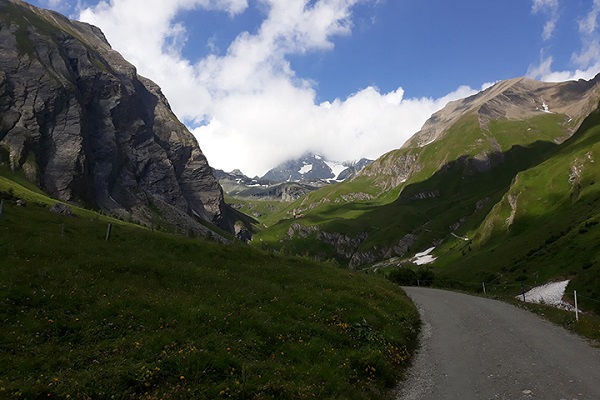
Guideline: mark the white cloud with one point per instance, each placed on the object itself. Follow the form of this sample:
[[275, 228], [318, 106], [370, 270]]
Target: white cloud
[[590, 52], [256, 111], [551, 9], [544, 71], [587, 25], [283, 122], [586, 60]]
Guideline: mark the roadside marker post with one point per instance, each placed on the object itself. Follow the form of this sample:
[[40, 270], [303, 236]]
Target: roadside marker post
[[483, 283], [108, 231], [523, 292], [576, 309]]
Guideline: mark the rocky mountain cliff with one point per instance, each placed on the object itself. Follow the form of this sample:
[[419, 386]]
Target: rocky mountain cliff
[[78, 121]]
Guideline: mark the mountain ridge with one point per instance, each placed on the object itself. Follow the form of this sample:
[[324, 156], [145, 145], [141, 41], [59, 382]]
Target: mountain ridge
[[314, 167], [423, 196], [497, 101]]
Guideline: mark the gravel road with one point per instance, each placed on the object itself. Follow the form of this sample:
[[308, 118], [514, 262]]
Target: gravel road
[[477, 348]]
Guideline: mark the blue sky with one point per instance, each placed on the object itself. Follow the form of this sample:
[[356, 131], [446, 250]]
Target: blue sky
[[260, 81]]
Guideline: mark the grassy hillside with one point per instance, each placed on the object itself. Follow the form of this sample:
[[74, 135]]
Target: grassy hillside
[[455, 180], [528, 206], [263, 212], [546, 226], [149, 315]]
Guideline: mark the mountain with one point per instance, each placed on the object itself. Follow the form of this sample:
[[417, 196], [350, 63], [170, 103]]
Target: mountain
[[313, 167], [491, 182], [78, 121], [290, 180]]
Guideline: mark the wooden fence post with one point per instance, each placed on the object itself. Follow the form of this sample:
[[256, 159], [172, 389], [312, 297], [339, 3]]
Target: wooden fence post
[[576, 308]]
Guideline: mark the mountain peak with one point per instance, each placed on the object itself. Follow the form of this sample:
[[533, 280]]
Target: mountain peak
[[513, 99], [314, 167]]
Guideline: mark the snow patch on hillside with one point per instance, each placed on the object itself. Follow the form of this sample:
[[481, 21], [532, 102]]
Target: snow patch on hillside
[[424, 257], [550, 293], [545, 108]]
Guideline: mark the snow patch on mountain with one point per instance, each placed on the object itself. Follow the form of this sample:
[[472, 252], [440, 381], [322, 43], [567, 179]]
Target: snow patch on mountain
[[545, 108], [336, 167], [305, 169]]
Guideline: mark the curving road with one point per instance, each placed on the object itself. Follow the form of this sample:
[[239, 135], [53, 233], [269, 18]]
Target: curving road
[[477, 348]]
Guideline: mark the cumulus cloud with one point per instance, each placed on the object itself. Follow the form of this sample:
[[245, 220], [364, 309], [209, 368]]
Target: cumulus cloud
[[284, 122], [249, 108], [544, 72]]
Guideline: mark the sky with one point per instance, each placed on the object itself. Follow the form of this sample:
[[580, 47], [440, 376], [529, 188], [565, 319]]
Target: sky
[[259, 82]]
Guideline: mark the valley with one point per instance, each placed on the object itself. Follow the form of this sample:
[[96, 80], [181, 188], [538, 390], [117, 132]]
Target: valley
[[130, 268]]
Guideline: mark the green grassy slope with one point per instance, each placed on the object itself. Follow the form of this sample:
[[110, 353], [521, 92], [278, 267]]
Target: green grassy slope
[[445, 188], [531, 215], [551, 229], [153, 315]]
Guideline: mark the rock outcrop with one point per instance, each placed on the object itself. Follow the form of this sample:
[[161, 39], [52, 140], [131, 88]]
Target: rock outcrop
[[80, 122]]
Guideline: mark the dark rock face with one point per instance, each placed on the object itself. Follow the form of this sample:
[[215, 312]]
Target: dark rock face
[[80, 122]]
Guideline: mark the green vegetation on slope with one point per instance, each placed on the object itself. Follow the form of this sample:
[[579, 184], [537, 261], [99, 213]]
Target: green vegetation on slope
[[530, 209], [264, 212], [456, 180], [547, 225], [152, 315]]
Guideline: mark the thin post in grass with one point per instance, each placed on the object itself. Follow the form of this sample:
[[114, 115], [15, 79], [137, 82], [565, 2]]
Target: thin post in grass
[[108, 229], [576, 309], [483, 283], [523, 292]]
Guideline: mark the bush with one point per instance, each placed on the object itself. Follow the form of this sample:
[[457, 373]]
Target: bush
[[425, 276], [403, 276]]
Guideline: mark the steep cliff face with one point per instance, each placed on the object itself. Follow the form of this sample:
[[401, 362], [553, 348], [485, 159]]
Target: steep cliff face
[[80, 122]]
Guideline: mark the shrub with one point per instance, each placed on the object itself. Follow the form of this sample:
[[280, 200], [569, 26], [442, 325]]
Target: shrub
[[403, 276]]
